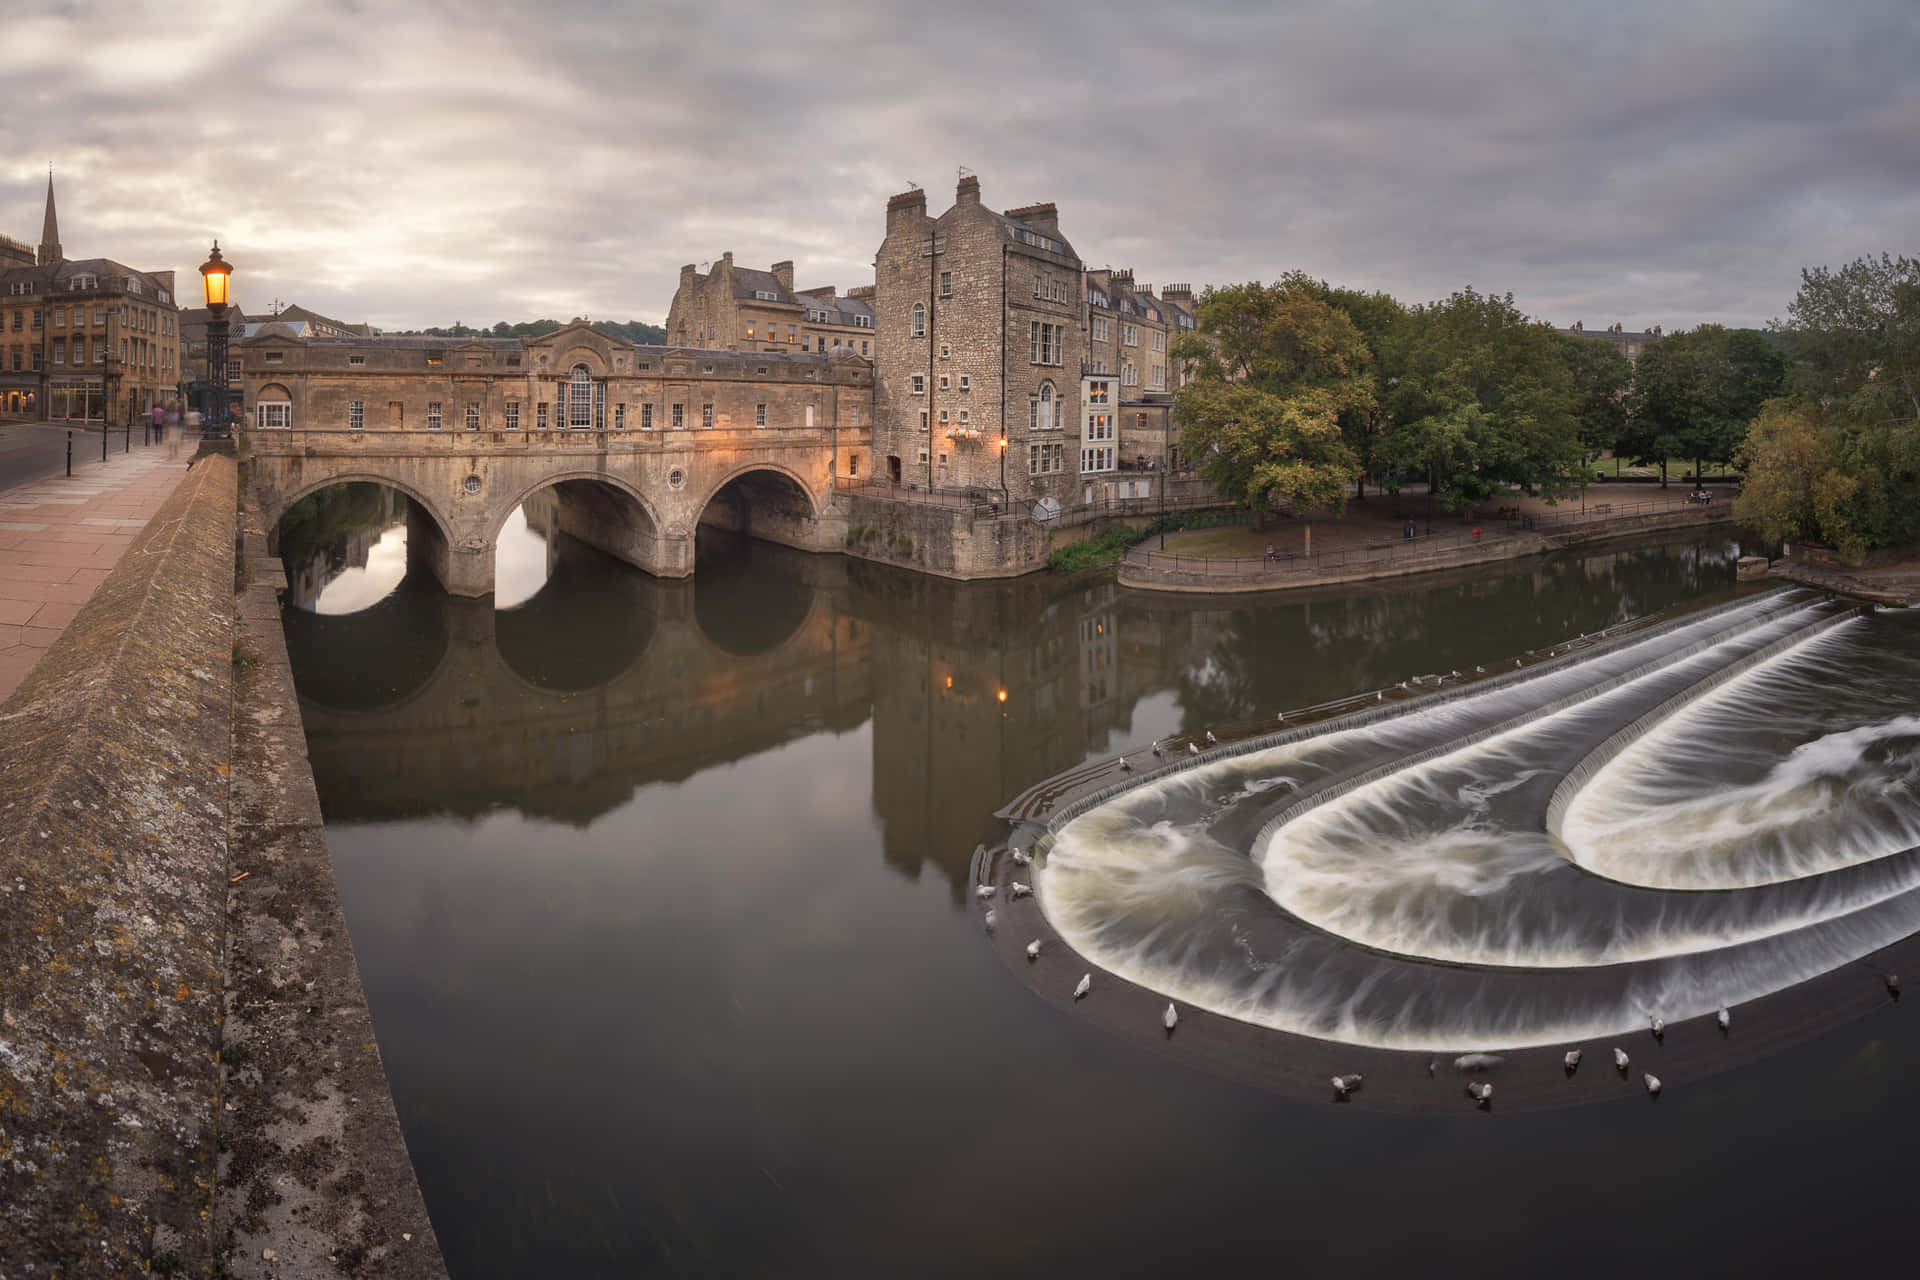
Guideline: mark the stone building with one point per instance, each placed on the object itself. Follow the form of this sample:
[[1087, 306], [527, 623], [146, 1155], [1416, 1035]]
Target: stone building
[[745, 309], [83, 338], [1630, 344], [980, 342], [196, 377], [575, 378]]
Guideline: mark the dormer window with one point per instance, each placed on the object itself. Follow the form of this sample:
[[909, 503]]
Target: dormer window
[[436, 357]]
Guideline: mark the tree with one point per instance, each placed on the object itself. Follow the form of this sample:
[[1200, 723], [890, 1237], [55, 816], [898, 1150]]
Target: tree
[[1695, 391], [1481, 398], [1274, 369], [1374, 315], [1600, 376], [1839, 461]]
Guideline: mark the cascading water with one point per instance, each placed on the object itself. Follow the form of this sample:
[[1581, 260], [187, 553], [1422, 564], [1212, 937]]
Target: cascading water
[[1709, 813]]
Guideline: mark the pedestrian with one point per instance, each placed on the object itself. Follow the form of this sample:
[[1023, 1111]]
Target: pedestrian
[[1270, 553]]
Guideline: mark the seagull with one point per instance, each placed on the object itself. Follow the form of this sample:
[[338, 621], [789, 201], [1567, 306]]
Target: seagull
[[1211, 740], [1659, 1027], [983, 891], [1022, 858], [1572, 1060], [1481, 1092], [1379, 697], [1033, 949], [1344, 1085], [1724, 1018], [1193, 748], [1170, 1017], [1403, 684], [1280, 715], [1124, 766], [990, 920], [1156, 750], [1893, 985], [1432, 1068], [1086, 985], [1481, 670], [1620, 1060], [1021, 890], [1653, 1085]]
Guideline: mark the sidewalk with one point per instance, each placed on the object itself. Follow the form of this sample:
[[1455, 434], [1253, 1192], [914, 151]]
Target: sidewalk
[[60, 537]]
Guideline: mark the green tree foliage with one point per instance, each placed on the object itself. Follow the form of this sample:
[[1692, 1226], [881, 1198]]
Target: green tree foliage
[[1481, 398], [1601, 376], [1274, 369], [632, 330], [1839, 461], [1694, 393], [1374, 315]]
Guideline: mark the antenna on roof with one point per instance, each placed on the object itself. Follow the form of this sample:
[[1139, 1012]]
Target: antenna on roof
[[965, 173], [913, 185]]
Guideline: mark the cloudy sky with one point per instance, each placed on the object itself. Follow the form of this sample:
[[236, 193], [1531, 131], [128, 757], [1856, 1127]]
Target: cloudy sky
[[418, 163]]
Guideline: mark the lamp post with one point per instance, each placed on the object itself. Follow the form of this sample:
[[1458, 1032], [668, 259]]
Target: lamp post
[[214, 273], [1005, 501]]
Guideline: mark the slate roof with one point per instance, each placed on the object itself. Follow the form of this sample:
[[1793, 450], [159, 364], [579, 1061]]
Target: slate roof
[[748, 281]]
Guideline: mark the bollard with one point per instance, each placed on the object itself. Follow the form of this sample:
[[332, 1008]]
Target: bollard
[[103, 442], [69, 455]]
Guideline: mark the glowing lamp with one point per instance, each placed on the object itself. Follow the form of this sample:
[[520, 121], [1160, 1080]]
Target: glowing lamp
[[213, 276]]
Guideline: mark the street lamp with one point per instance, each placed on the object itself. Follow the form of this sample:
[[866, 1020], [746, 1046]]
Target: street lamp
[[1005, 501], [214, 273]]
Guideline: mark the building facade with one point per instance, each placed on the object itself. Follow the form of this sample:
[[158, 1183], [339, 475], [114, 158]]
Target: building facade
[[733, 308], [87, 338], [573, 379], [979, 349]]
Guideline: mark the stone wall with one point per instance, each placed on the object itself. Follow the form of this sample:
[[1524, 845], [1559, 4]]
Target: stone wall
[[951, 542], [113, 843]]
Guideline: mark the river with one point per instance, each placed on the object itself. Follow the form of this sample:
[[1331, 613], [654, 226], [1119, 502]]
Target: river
[[662, 894]]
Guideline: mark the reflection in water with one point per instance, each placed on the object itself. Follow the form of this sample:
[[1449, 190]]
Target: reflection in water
[[662, 906]]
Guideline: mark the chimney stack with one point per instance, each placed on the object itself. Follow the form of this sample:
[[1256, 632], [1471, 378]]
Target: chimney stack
[[967, 191], [783, 272]]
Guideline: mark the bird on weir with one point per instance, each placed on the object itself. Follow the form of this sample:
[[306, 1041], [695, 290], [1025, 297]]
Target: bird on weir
[[1021, 857], [1481, 1092], [1724, 1018], [1086, 985], [983, 891], [1021, 890], [1572, 1060], [1124, 766], [1344, 1085], [1211, 740], [1659, 1025], [990, 919], [1170, 1018], [1033, 949], [1653, 1085], [1193, 748], [1156, 750], [1620, 1060]]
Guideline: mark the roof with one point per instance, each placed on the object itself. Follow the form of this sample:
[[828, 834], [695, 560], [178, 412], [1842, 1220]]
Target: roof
[[747, 282], [56, 278]]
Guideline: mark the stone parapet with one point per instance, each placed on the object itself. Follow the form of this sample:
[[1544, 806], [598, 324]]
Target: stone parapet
[[113, 876]]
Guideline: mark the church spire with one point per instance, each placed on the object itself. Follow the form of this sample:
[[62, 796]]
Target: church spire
[[50, 231]]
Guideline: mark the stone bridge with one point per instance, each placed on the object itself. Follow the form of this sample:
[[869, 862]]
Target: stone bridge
[[639, 496]]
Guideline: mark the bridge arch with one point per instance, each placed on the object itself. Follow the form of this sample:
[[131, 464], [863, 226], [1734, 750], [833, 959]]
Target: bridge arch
[[273, 510], [608, 512], [554, 479]]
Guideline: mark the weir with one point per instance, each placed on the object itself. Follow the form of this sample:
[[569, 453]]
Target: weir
[[1459, 875]]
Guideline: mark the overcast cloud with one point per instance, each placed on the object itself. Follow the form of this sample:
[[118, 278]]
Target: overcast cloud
[[1669, 163]]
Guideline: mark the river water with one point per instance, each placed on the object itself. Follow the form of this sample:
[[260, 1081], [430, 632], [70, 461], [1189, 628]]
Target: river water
[[663, 896]]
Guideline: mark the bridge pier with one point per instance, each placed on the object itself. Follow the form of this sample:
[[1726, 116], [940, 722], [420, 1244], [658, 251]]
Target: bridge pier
[[463, 570]]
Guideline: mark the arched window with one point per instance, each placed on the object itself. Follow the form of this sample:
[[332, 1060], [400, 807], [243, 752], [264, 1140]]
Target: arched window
[[919, 320], [1045, 416], [580, 400]]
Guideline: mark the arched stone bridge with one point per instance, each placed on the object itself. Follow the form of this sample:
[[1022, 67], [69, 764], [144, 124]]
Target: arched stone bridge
[[641, 444], [639, 496]]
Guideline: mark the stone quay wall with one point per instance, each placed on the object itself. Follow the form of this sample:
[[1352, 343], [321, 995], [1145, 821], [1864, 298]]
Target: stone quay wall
[[113, 858], [188, 1081]]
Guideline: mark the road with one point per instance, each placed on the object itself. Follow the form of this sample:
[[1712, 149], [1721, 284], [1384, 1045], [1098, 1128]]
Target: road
[[32, 451]]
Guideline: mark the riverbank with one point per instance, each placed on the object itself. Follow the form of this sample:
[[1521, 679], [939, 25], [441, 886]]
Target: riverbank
[[1355, 556], [1893, 582]]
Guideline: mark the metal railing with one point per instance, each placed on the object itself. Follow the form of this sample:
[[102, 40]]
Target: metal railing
[[979, 501]]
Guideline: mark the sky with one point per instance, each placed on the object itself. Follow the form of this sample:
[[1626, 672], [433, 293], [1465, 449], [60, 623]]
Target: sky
[[402, 163]]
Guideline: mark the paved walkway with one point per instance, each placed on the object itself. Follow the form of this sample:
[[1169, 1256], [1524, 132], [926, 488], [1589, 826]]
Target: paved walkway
[[60, 537]]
